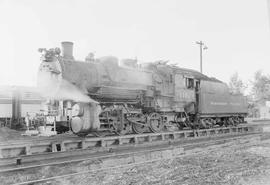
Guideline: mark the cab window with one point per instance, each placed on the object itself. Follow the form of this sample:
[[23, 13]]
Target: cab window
[[190, 83], [171, 78]]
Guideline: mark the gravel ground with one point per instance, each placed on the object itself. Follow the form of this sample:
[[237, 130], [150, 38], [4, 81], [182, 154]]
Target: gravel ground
[[7, 134], [233, 165]]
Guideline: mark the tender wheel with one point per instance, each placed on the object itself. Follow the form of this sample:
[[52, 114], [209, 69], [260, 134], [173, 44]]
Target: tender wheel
[[155, 122]]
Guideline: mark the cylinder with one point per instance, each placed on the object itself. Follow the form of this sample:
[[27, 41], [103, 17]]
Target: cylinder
[[77, 110], [67, 50], [88, 120]]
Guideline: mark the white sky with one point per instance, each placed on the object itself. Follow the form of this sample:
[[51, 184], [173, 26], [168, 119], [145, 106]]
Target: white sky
[[235, 31]]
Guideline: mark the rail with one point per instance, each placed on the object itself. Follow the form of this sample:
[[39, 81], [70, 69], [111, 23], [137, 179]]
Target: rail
[[61, 145], [121, 159]]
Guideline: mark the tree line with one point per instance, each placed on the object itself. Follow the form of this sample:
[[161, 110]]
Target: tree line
[[256, 90]]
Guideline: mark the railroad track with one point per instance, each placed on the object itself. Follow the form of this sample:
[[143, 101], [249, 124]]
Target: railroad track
[[115, 158], [22, 149], [37, 139]]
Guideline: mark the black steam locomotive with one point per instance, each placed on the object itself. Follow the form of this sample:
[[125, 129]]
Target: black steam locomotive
[[105, 94]]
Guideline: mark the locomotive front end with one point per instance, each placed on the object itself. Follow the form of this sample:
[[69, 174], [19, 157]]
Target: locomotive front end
[[62, 82]]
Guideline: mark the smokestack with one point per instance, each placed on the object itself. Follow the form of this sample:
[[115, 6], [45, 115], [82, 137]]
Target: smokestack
[[67, 50]]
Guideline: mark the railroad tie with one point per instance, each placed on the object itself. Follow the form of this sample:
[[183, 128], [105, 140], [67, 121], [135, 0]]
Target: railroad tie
[[136, 140], [56, 147], [83, 145], [149, 138], [173, 135], [1, 153], [18, 161], [120, 141], [162, 137], [102, 143], [63, 146], [28, 150]]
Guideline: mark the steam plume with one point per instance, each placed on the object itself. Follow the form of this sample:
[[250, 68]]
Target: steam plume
[[56, 89]]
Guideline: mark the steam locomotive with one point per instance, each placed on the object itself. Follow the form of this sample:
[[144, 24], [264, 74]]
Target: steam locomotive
[[125, 97]]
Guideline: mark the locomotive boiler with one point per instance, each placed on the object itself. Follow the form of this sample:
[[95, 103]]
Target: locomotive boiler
[[105, 94]]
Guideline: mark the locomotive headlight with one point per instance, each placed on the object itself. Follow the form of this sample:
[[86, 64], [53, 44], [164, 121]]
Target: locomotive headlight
[[77, 110]]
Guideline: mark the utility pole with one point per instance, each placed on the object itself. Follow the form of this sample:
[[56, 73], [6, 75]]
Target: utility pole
[[202, 47]]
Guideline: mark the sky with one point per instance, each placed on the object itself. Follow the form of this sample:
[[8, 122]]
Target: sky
[[236, 33]]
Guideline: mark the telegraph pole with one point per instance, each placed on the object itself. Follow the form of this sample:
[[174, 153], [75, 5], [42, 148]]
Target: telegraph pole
[[202, 47]]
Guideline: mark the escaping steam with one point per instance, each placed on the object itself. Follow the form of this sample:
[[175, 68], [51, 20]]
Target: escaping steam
[[60, 89], [68, 91]]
